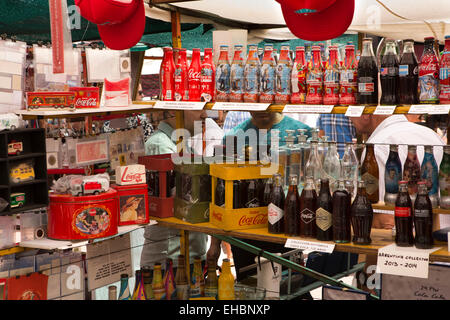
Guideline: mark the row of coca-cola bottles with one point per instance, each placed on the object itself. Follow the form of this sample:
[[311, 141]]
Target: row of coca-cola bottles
[[403, 79]]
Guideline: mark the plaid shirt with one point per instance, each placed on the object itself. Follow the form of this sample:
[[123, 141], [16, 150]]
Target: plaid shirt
[[338, 128], [233, 119]]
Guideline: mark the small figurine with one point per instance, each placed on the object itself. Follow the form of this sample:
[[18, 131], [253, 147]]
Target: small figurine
[[22, 172], [87, 187], [15, 148], [17, 200]]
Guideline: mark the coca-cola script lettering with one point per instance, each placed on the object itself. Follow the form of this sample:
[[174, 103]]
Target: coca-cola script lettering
[[259, 219], [132, 174]]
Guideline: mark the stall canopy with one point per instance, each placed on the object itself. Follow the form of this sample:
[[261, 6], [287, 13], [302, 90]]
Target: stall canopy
[[399, 19]]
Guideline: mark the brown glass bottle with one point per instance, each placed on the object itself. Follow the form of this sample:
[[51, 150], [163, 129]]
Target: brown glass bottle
[[275, 210], [236, 194], [308, 207], [423, 218], [292, 208], [403, 217], [369, 174], [220, 192], [324, 219], [243, 193], [252, 194], [361, 216], [266, 192], [341, 214]]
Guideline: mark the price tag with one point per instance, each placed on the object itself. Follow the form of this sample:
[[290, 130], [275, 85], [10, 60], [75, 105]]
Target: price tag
[[385, 110], [309, 245], [308, 108], [236, 106], [419, 108], [439, 109], [179, 105], [401, 261], [354, 111]]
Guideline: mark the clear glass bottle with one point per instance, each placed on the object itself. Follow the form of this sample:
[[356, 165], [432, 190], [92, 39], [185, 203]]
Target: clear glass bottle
[[314, 165], [308, 207], [275, 210], [350, 168], [305, 150], [332, 166]]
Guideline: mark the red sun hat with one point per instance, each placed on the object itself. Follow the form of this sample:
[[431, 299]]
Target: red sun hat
[[120, 23], [317, 20]]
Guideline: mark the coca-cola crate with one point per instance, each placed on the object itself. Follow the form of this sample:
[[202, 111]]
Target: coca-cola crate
[[160, 195], [227, 218], [86, 97]]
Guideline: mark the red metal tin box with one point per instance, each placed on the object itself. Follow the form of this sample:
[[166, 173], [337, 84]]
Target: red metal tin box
[[133, 204], [83, 217], [86, 97]]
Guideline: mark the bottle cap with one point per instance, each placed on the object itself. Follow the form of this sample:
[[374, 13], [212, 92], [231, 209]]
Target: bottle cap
[[403, 182]]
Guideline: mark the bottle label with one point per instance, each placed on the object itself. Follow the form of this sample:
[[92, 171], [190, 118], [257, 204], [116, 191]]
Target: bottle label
[[223, 71], [307, 216], [182, 291], [422, 213], [371, 183], [366, 87], [430, 173], [349, 87], [403, 70], [388, 71], [274, 213], [237, 78], [323, 219], [392, 176], [267, 85], [298, 79], [402, 212], [197, 287], [211, 292], [207, 82], [226, 290], [160, 292], [251, 78], [283, 77]]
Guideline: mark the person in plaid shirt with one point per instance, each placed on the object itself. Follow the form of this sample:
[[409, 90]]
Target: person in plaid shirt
[[338, 128], [233, 119]]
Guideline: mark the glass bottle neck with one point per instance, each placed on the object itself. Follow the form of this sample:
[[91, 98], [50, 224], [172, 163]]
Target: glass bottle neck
[[268, 54], [423, 190], [390, 48], [367, 49], [300, 56], [195, 56], [333, 58], [403, 187], [408, 47], [223, 54], [278, 181]]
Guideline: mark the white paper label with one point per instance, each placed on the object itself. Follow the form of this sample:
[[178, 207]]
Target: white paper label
[[235, 106], [309, 245], [419, 108], [439, 109], [308, 108], [354, 111], [179, 105], [404, 261], [385, 110], [274, 213]]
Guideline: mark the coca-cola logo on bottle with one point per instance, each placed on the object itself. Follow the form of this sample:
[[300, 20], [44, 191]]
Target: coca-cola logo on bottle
[[86, 102], [193, 74], [255, 220]]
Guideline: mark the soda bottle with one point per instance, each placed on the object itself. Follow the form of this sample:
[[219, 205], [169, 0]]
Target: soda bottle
[[392, 174], [361, 216], [237, 194], [430, 173], [370, 174], [314, 165], [237, 75], [298, 76], [223, 71], [324, 218], [444, 74], [194, 76], [124, 293], [167, 70], [423, 219], [159, 291], [169, 281], [408, 72], [147, 275], [212, 282], [207, 77], [348, 78], [314, 78], [429, 74], [252, 74], [350, 165], [266, 193], [403, 217], [444, 179], [138, 292], [283, 76], [308, 207], [292, 208], [181, 77], [341, 214], [275, 210], [411, 171], [267, 84], [389, 74], [332, 165], [331, 77], [252, 194], [197, 280], [181, 281], [367, 75], [226, 282], [220, 193]]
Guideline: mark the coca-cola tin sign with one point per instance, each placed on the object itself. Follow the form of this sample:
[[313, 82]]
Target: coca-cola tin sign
[[86, 97], [238, 219], [132, 174]]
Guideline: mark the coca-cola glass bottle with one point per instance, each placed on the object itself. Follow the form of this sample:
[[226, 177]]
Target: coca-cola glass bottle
[[423, 219], [331, 78], [308, 207], [252, 74], [266, 187], [298, 76], [350, 166], [430, 173], [348, 78], [408, 75], [275, 209], [237, 75], [403, 217], [370, 174], [341, 214], [220, 193], [332, 165], [429, 74], [314, 165], [207, 77], [223, 70], [292, 208], [166, 75], [194, 76], [392, 175], [444, 179], [444, 74], [367, 75], [389, 74], [361, 216], [314, 78], [324, 218], [411, 171], [267, 85], [181, 77], [283, 76]]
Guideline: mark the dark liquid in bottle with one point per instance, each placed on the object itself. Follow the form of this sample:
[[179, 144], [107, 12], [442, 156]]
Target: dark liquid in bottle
[[252, 194], [389, 79], [292, 213], [236, 194], [341, 216], [220, 192], [276, 199], [423, 222], [362, 215], [308, 207], [403, 220], [324, 219], [367, 81], [408, 79]]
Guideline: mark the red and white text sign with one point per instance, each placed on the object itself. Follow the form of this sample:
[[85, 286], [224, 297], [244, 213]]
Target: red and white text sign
[[132, 174]]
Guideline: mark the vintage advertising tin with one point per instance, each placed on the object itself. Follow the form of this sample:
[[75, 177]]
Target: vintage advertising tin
[[133, 204], [83, 217], [86, 97], [46, 100]]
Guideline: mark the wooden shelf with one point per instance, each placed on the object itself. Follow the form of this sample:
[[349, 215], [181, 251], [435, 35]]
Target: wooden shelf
[[383, 207], [380, 238]]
